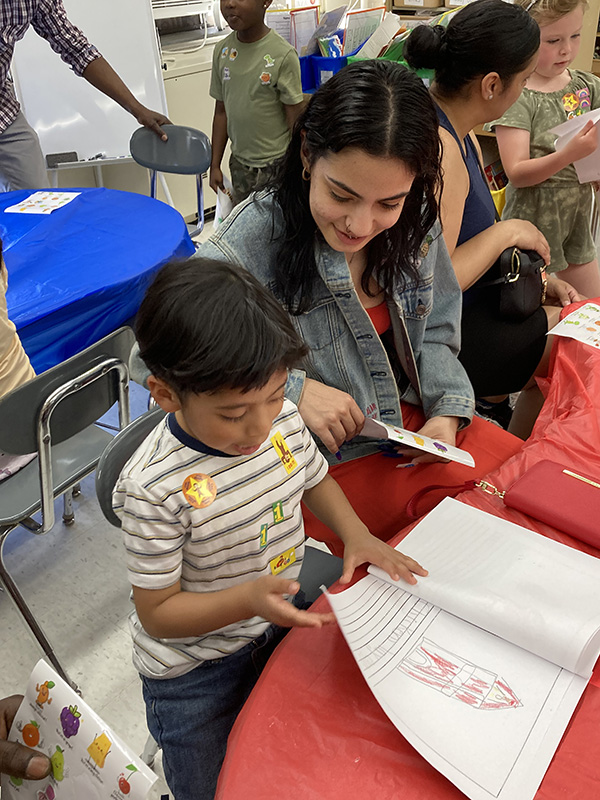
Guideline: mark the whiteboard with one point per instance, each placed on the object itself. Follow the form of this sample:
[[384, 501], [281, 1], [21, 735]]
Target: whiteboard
[[65, 110]]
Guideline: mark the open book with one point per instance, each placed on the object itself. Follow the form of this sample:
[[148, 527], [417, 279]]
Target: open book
[[481, 664]]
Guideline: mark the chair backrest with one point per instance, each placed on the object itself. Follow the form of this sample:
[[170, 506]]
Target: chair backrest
[[21, 408], [187, 150], [117, 454]]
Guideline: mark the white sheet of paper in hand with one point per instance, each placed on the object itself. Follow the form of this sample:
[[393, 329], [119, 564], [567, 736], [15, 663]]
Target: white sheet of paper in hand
[[588, 168], [582, 324], [379, 430], [89, 762]]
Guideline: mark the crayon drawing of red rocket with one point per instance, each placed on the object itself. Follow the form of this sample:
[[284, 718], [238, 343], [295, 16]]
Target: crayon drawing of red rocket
[[451, 675]]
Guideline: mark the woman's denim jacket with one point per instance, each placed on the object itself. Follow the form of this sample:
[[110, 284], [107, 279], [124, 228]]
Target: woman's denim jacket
[[346, 351]]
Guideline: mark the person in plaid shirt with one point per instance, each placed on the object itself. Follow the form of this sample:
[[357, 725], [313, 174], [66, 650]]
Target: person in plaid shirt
[[21, 162]]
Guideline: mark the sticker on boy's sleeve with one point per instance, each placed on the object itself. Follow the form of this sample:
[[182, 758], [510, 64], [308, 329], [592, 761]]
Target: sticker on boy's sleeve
[[226, 75], [233, 54], [224, 52], [199, 490], [269, 61], [284, 453], [285, 560], [265, 78]]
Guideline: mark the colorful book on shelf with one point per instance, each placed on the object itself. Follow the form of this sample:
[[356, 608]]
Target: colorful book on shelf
[[481, 664]]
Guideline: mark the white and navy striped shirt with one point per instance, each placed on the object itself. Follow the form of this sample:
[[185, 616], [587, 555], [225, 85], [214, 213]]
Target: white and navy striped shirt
[[254, 519], [49, 19]]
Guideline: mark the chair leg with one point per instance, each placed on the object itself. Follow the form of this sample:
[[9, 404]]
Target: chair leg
[[151, 748], [27, 614], [77, 487], [68, 515]]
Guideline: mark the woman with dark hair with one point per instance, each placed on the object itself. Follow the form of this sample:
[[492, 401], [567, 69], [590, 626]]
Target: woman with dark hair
[[347, 239], [481, 61]]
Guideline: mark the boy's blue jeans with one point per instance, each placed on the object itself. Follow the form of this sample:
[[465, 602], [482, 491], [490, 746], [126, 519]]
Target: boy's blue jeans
[[190, 717]]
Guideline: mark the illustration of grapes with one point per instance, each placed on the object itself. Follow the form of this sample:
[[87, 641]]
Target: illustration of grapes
[[124, 785], [70, 719]]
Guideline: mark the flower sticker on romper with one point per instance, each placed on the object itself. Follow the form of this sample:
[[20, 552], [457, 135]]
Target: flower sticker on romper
[[265, 78]]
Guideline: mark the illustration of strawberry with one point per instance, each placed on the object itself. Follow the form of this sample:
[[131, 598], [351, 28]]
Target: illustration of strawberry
[[70, 719]]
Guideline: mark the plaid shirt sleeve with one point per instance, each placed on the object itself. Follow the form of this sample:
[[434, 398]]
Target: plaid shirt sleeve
[[51, 23]]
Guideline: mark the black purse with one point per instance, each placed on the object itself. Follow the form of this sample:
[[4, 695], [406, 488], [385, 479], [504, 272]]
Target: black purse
[[520, 285], [520, 282]]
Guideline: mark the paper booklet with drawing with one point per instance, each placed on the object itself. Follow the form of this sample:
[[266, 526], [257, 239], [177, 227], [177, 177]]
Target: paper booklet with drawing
[[481, 664]]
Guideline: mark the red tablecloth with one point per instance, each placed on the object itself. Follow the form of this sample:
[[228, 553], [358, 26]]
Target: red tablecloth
[[312, 729]]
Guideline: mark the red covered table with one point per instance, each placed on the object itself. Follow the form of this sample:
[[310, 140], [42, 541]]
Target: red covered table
[[312, 729]]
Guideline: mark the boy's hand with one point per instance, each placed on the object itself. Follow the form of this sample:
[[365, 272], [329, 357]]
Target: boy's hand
[[363, 547], [16, 759], [215, 179], [267, 601]]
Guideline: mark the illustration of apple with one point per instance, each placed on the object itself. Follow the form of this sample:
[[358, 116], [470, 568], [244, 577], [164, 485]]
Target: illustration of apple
[[70, 719], [31, 734]]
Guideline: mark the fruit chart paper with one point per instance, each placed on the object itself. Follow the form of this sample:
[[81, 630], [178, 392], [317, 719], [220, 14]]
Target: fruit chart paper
[[88, 760]]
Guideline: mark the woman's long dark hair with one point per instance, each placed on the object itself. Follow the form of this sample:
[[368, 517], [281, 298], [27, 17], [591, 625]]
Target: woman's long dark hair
[[484, 36], [384, 110]]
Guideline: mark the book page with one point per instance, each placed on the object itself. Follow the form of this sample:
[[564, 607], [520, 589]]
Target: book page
[[588, 168], [517, 584], [485, 713]]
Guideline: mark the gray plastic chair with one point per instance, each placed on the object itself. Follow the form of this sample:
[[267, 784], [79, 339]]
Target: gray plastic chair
[[187, 151], [53, 415]]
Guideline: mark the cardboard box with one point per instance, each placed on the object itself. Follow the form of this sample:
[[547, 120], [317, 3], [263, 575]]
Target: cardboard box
[[456, 3], [416, 4]]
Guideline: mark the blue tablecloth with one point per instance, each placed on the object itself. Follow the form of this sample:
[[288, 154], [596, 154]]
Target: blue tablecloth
[[81, 272]]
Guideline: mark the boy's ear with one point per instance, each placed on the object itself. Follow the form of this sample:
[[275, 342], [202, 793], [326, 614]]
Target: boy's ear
[[163, 394]]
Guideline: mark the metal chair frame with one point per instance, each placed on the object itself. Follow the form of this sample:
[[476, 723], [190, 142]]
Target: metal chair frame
[[67, 433], [158, 156]]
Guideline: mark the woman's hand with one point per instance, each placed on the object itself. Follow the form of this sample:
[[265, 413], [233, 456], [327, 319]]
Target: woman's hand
[[363, 548], [332, 415], [526, 236], [443, 429], [16, 759], [561, 293]]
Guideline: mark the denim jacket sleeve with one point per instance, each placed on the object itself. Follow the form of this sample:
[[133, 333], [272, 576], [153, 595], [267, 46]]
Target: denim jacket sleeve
[[437, 302]]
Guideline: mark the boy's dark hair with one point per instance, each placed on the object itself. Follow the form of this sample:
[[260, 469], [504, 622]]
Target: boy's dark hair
[[384, 110], [206, 325], [484, 36]]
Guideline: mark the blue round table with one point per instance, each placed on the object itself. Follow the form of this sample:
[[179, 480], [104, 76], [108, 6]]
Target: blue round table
[[80, 272]]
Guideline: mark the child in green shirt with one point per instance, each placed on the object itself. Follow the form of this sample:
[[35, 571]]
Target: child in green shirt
[[258, 92]]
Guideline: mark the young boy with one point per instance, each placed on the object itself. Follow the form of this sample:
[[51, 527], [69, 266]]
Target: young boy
[[258, 92], [210, 507]]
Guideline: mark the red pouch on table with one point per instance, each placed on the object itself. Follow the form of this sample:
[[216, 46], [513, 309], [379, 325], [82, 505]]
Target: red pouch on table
[[564, 498]]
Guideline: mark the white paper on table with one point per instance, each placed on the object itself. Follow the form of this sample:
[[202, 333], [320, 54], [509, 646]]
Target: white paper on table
[[382, 37], [375, 429], [42, 203], [582, 324], [89, 760], [481, 664], [588, 168]]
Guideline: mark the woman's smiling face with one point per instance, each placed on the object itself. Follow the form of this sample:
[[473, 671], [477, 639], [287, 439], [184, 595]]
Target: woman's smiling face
[[355, 196]]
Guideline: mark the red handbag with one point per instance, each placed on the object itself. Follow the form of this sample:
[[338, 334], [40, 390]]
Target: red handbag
[[566, 499]]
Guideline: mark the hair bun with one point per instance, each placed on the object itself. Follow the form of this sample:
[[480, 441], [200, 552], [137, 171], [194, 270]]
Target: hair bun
[[426, 47]]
